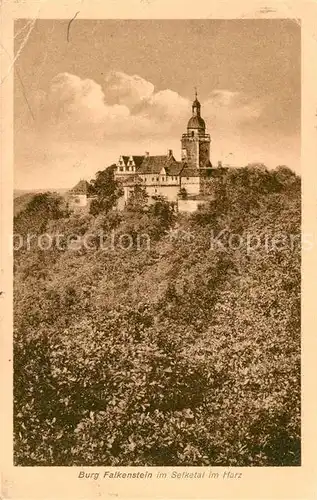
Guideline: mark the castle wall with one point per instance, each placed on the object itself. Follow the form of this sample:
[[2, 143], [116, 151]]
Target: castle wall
[[191, 184], [189, 205], [159, 180], [124, 173], [169, 192], [80, 206], [120, 203], [77, 201]]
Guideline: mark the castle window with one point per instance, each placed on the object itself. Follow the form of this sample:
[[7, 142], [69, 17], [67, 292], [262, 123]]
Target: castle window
[[157, 178], [187, 178], [192, 133], [128, 169], [121, 169], [153, 179]]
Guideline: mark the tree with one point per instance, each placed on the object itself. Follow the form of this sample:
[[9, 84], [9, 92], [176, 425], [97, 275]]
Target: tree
[[106, 191], [181, 353], [163, 211], [138, 199], [40, 209], [284, 175]]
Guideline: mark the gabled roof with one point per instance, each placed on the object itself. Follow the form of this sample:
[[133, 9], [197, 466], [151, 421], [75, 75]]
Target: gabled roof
[[175, 168], [80, 188], [154, 164], [125, 159], [137, 159]]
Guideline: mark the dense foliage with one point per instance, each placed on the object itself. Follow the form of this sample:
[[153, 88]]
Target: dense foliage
[[105, 189], [178, 350]]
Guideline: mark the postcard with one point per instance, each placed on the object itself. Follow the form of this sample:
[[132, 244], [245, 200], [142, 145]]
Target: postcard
[[158, 249]]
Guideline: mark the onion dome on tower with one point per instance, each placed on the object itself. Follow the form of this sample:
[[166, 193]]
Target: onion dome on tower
[[196, 123], [195, 142]]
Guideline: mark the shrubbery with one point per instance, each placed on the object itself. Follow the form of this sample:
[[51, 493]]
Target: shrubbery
[[177, 354]]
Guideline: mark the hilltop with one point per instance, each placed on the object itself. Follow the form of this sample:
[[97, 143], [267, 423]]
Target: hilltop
[[173, 340], [21, 197]]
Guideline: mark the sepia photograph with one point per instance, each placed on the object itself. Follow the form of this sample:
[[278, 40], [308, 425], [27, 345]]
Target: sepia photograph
[[157, 243]]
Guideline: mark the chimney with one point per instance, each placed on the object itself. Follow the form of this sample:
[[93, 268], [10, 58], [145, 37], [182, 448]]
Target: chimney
[[147, 153], [219, 164], [170, 152]]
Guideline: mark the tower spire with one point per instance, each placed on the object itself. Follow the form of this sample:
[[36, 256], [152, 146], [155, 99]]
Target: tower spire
[[196, 105]]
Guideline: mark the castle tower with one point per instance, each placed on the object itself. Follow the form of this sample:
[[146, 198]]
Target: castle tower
[[195, 142]]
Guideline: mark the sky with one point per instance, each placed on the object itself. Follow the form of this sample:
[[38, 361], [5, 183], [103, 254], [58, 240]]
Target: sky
[[88, 92]]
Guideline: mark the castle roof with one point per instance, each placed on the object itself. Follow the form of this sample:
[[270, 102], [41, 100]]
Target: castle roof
[[125, 159], [137, 159], [80, 188], [196, 122], [175, 168], [154, 164]]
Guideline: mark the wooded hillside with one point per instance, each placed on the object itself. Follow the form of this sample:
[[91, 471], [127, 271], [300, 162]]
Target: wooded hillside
[[184, 351]]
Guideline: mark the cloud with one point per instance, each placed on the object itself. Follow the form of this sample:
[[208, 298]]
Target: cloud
[[74, 100], [82, 108], [89, 124], [128, 90], [167, 104], [231, 109]]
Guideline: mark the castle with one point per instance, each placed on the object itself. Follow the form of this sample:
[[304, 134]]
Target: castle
[[164, 175], [180, 182]]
